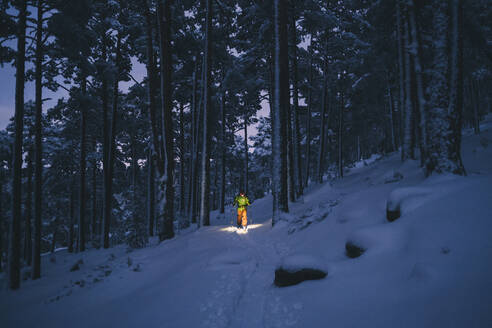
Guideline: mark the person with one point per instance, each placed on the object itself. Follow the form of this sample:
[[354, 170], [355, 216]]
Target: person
[[242, 202]]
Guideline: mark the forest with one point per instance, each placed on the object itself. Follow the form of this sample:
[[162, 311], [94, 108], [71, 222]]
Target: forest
[[270, 97]]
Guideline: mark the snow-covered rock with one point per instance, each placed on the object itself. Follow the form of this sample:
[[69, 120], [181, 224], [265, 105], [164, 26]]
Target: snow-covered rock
[[298, 268]]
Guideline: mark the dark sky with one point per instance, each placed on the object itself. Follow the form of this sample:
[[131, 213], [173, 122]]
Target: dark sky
[[7, 90], [7, 93]]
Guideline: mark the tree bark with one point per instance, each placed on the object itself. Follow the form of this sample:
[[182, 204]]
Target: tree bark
[[135, 214], [150, 193], [192, 196], [322, 133], [82, 164], [38, 128], [421, 102], [408, 110], [308, 123], [207, 110], [279, 113], [340, 136], [166, 179], [181, 161], [222, 153], [358, 149], [28, 211], [475, 105], [246, 150], [106, 218], [290, 155], [214, 195], [401, 68], [155, 151], [456, 88], [108, 197], [158, 152], [55, 235], [94, 193], [444, 125], [14, 245], [71, 233], [392, 123], [295, 119]]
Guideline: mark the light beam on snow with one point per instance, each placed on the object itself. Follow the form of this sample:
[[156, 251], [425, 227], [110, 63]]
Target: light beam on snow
[[240, 230]]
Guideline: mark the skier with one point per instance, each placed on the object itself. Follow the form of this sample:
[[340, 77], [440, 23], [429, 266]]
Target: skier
[[242, 202]]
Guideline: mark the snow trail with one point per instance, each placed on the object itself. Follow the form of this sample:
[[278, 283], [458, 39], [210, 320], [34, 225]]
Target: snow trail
[[245, 295]]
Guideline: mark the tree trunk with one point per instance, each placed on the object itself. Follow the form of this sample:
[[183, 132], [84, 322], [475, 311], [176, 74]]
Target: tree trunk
[[82, 165], [245, 187], [14, 245], [444, 118], [135, 214], [106, 217], [150, 193], [166, 179], [38, 165], [421, 102], [295, 119], [279, 113], [392, 124], [358, 149], [207, 111], [222, 153], [28, 213], [340, 136], [290, 155], [193, 181], [475, 101], [214, 196], [55, 235], [308, 123], [71, 233], [181, 162], [155, 152], [408, 110], [322, 133], [108, 197], [284, 105], [401, 75], [94, 193], [151, 84], [456, 89]]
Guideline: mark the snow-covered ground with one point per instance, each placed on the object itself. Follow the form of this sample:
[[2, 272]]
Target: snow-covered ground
[[430, 268]]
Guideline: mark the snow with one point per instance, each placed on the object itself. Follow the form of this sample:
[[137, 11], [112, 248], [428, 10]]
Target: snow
[[430, 268], [298, 262]]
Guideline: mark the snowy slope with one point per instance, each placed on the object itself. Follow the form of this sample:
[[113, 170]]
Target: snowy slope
[[430, 268]]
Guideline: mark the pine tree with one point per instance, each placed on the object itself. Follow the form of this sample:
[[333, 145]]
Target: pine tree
[[279, 111], [166, 180], [38, 165], [207, 110], [15, 233], [443, 128]]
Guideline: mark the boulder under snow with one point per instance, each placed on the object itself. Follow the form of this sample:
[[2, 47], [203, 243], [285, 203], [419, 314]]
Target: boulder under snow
[[298, 268]]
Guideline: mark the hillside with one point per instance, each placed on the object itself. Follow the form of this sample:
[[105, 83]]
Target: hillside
[[430, 268]]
